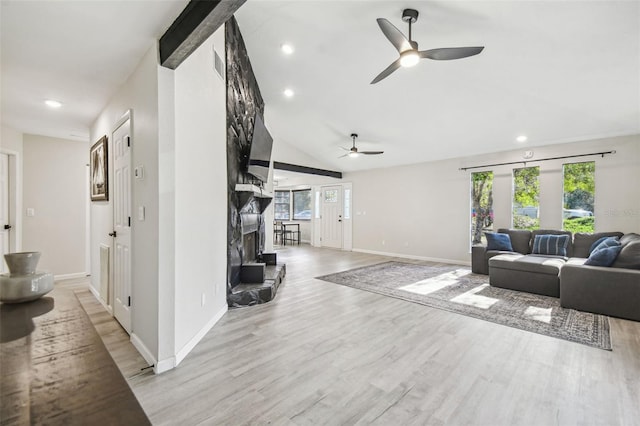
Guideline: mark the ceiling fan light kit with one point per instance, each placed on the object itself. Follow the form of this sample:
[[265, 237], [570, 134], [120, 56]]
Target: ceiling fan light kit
[[408, 49], [353, 151]]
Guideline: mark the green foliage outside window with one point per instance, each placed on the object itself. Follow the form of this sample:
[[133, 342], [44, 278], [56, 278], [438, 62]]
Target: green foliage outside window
[[579, 196], [526, 192], [482, 205]]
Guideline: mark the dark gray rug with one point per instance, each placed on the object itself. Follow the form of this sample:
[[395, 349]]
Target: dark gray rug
[[456, 289]]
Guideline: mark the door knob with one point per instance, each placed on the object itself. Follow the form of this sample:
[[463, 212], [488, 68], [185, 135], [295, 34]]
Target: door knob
[[112, 234], [7, 227]]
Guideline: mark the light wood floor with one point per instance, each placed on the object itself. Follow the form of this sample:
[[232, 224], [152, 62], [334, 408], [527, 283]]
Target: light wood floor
[[321, 353]]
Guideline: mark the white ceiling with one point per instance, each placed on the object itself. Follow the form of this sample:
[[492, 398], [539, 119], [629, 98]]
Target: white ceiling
[[557, 71], [76, 52]]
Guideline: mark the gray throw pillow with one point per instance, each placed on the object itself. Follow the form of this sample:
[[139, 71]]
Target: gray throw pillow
[[629, 256]]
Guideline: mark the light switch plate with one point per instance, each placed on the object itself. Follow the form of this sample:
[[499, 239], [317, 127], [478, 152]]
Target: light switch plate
[[141, 213], [31, 212], [138, 172]]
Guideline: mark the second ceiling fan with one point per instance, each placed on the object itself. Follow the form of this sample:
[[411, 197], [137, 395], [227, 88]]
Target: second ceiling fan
[[408, 49], [353, 152]]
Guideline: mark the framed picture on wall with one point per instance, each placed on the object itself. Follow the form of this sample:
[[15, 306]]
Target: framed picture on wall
[[99, 171]]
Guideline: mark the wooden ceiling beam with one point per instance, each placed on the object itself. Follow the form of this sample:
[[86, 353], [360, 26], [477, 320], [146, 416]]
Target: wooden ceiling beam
[[192, 27]]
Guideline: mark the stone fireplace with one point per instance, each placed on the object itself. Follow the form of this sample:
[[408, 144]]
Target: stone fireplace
[[251, 237], [252, 275]]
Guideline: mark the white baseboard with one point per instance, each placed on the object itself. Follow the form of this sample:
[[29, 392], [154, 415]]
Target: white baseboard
[[165, 365], [182, 353], [413, 257], [70, 276], [99, 299], [144, 351]]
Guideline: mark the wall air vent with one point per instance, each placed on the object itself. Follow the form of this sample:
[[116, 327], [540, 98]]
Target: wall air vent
[[218, 64]]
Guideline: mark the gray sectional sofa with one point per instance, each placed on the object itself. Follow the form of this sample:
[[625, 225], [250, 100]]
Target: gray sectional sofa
[[613, 290]]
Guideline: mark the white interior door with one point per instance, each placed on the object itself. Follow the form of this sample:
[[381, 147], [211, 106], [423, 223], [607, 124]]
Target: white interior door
[[4, 210], [331, 216], [121, 154]]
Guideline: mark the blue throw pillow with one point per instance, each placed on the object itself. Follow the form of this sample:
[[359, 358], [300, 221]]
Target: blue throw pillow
[[604, 256], [497, 241], [604, 242], [554, 245]]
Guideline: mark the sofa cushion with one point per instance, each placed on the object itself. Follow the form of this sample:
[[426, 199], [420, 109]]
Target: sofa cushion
[[498, 241], [528, 263], [605, 255], [605, 242], [582, 242], [553, 232], [629, 238], [555, 245], [629, 256], [520, 239]]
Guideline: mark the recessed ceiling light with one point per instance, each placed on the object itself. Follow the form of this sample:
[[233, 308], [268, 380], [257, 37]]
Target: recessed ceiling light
[[288, 93], [521, 138], [286, 48], [53, 104]]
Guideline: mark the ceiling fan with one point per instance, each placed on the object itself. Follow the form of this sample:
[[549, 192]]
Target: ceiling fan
[[408, 49], [353, 152]]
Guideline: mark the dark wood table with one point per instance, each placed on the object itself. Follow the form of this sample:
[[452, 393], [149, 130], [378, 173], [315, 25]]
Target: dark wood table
[[55, 370], [291, 225]]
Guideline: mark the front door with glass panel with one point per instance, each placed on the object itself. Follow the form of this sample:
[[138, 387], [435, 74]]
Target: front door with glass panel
[[331, 216]]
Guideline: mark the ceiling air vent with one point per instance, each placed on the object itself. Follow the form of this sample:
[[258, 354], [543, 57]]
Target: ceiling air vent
[[218, 64]]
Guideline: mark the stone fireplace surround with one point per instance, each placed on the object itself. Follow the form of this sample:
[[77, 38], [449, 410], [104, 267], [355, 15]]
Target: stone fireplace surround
[[246, 200]]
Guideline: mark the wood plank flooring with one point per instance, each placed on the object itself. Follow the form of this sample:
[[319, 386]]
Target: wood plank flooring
[[322, 353]]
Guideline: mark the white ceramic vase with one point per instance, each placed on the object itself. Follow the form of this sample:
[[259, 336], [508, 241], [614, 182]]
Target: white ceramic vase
[[23, 283]]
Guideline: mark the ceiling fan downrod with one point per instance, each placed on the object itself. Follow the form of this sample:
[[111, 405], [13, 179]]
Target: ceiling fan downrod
[[410, 16]]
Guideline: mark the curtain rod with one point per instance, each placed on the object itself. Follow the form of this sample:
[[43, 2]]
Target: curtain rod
[[541, 159]]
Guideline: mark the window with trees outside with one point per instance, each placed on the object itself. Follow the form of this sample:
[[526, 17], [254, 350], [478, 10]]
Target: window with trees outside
[[579, 196], [302, 204], [526, 192], [481, 205], [282, 205]]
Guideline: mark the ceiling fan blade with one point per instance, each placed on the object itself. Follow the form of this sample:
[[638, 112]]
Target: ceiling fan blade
[[343, 156], [370, 152], [384, 74], [394, 35], [447, 53]]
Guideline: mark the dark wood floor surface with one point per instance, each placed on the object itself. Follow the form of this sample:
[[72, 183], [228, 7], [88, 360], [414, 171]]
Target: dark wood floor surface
[[55, 369]]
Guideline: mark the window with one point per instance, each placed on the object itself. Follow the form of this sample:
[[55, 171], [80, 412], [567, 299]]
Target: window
[[302, 204], [578, 199], [481, 205], [331, 196], [526, 191], [347, 204], [282, 204]]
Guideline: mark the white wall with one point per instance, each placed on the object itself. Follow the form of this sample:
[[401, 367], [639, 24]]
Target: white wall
[[179, 249], [286, 153], [140, 94], [11, 139], [422, 210], [55, 186], [200, 195]]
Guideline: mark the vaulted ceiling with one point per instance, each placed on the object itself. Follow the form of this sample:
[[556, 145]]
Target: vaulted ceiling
[[556, 71]]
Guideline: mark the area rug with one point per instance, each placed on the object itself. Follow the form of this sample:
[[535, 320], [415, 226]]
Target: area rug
[[456, 289]]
